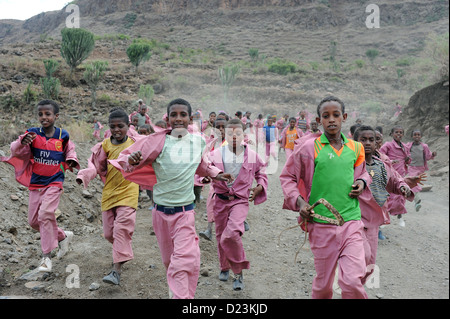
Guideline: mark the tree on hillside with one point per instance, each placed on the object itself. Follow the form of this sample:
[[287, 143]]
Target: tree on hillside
[[76, 46], [93, 74], [227, 75], [372, 54], [50, 85], [139, 51]]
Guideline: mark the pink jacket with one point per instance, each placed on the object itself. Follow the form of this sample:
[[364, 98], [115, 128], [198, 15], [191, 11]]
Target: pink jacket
[[427, 154], [151, 146], [371, 213], [395, 152], [252, 168], [297, 174], [22, 159], [98, 164]]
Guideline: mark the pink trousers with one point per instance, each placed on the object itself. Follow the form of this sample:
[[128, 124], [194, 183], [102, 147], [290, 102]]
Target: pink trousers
[[330, 244], [210, 205], [118, 228], [288, 152], [370, 249], [271, 149], [229, 219], [42, 204], [180, 251]]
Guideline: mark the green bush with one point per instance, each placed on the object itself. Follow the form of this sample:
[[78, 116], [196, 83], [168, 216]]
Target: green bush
[[282, 67], [254, 54], [76, 45], [360, 63], [50, 87], [372, 54], [139, 51], [29, 95], [93, 74], [146, 93]]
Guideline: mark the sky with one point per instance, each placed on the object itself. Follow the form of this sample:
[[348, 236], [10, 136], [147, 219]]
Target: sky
[[24, 9]]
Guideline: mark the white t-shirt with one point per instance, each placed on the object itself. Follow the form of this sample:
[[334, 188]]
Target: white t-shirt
[[232, 163]]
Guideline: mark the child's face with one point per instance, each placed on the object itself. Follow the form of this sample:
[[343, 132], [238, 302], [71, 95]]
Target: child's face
[[178, 117], [212, 118], [417, 136], [46, 115], [314, 126], [143, 131], [135, 121], [331, 117], [118, 128], [234, 135], [367, 139], [220, 125], [397, 134], [378, 139], [292, 124], [269, 122], [302, 114], [143, 110]]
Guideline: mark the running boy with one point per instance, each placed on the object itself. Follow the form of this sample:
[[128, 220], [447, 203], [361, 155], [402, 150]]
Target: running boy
[[119, 197], [232, 199], [373, 200], [420, 155], [331, 167], [40, 158], [288, 137], [400, 158], [176, 155]]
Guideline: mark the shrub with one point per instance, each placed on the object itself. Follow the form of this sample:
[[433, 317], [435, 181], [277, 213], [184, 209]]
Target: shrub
[[139, 51], [146, 93], [29, 95], [254, 54], [372, 54], [227, 75], [282, 67], [93, 74], [76, 45]]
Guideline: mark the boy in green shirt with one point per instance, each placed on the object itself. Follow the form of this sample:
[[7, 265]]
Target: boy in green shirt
[[332, 167]]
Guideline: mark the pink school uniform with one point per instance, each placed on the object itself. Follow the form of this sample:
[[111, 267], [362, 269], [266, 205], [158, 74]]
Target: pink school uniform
[[231, 207], [296, 180], [374, 205], [41, 167], [396, 203], [420, 166], [174, 226]]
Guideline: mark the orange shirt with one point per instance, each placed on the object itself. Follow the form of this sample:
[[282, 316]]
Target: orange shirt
[[291, 136]]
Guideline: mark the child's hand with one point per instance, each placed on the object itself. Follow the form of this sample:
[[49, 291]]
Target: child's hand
[[28, 138], [305, 211], [255, 192], [135, 158], [357, 189], [71, 163], [79, 181], [413, 181], [405, 191], [225, 177], [206, 180]]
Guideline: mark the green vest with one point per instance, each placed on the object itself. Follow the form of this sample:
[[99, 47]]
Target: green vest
[[334, 176]]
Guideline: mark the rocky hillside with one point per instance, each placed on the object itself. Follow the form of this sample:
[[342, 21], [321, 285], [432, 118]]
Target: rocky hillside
[[327, 41]]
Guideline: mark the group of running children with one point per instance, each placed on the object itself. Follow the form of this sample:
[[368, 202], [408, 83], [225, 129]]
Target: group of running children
[[364, 181]]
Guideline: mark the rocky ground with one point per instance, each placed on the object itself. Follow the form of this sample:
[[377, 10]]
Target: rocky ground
[[412, 261]]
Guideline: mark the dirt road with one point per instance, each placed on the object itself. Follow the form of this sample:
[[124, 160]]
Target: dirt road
[[412, 262]]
